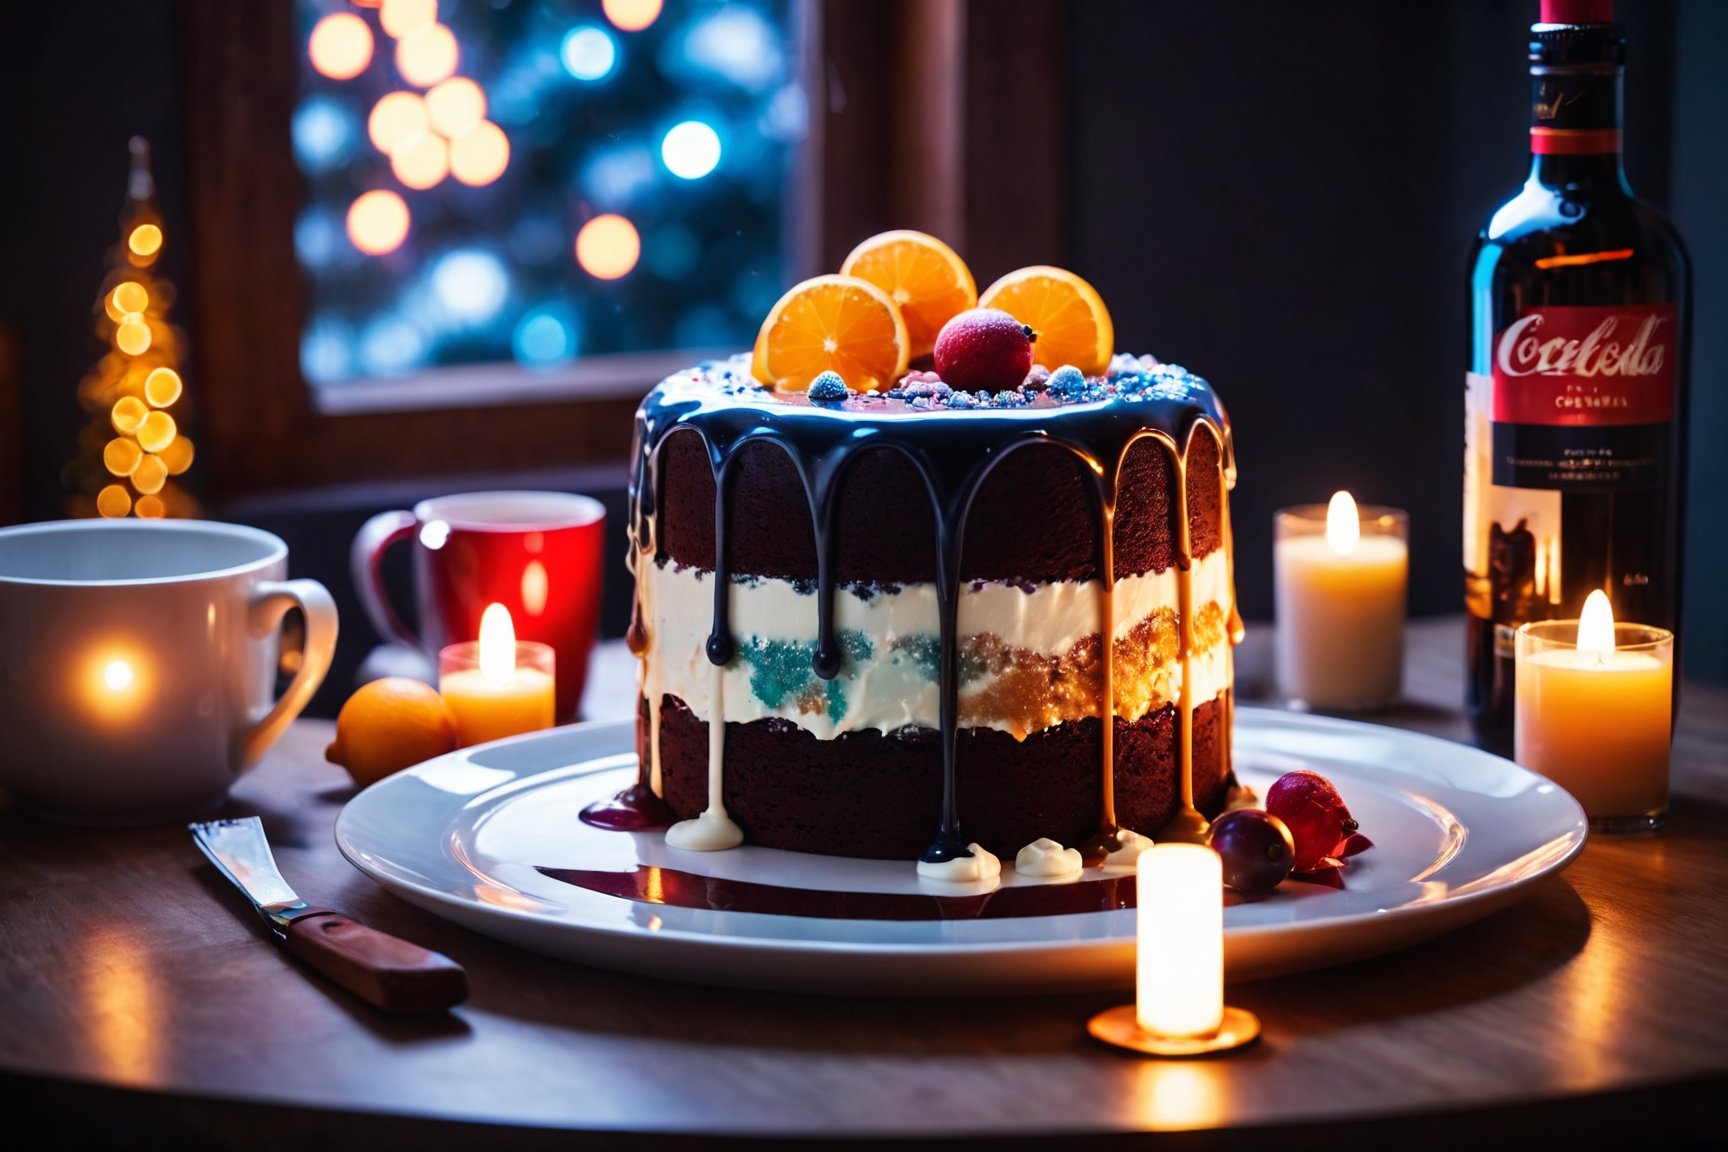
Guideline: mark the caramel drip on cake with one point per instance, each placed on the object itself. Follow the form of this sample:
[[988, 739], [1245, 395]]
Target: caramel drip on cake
[[954, 455]]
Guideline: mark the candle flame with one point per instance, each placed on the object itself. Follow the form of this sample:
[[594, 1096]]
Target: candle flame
[[117, 676], [497, 644], [1596, 626], [1343, 525]]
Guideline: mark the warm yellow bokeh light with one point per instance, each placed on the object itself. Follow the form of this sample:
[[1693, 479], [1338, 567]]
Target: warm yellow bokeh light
[[396, 116], [151, 508], [427, 55], [145, 240], [400, 17], [150, 475], [341, 46], [117, 676], [129, 296], [480, 155], [456, 106], [607, 247], [113, 501], [631, 15], [162, 387], [177, 456], [156, 432], [129, 412], [121, 455], [421, 161], [378, 222], [132, 336]]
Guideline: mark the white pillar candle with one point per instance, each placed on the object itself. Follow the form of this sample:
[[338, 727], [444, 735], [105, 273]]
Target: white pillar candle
[[1339, 585], [1179, 958], [1594, 713], [497, 686]]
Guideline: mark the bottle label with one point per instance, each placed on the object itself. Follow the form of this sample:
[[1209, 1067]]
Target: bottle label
[[1580, 398]]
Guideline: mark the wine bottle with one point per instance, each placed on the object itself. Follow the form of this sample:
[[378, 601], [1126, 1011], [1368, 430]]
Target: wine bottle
[[1575, 400]]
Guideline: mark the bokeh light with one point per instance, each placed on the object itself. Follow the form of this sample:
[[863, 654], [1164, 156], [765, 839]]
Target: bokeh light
[[129, 296], [400, 17], [589, 53], [323, 133], [177, 457], [113, 501], [455, 106], [607, 247], [396, 116], [341, 46], [132, 336], [327, 351], [427, 55], [145, 240], [391, 346], [616, 177], [162, 387], [631, 15], [691, 150], [378, 222], [470, 284], [545, 336], [120, 455], [156, 432], [127, 414], [421, 161], [151, 508], [150, 475], [735, 43], [480, 155]]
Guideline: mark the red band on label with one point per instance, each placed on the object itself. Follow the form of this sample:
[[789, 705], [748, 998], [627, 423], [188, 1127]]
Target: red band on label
[[1594, 365], [1573, 141]]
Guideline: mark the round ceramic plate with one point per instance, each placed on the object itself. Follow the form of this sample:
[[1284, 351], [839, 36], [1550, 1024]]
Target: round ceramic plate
[[489, 837]]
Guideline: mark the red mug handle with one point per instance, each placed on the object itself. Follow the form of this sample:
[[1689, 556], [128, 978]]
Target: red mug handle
[[366, 562]]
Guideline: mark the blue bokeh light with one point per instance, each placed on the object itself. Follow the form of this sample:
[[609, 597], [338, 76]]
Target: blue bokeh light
[[545, 336], [470, 284], [391, 346], [613, 179], [691, 150], [327, 351], [589, 53], [318, 239], [325, 134], [737, 44]]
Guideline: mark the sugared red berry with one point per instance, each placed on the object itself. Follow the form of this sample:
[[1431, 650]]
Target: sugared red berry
[[983, 348], [828, 386], [1256, 848], [1315, 814]]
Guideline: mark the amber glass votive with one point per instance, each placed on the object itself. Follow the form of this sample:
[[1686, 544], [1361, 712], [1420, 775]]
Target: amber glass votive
[[1598, 723], [489, 702]]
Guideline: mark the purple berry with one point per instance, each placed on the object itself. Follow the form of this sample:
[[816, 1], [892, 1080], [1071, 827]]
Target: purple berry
[[1256, 848]]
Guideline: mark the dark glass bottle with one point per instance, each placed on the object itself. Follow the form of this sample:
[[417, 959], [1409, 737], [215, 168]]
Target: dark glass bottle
[[1575, 466]]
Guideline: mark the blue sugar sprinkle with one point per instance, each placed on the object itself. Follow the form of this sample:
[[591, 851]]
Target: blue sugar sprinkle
[[1066, 381], [964, 400], [828, 386]]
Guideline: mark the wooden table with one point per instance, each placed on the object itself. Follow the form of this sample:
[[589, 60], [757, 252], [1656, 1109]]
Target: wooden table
[[140, 1004]]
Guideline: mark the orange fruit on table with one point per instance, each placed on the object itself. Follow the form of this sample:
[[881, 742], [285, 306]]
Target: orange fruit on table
[[832, 324], [388, 725], [1069, 317], [924, 276]]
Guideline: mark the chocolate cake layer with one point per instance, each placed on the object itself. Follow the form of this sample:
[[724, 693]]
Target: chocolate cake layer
[[1035, 518], [878, 795]]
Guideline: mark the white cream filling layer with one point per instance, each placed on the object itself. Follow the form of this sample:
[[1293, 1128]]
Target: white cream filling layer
[[888, 680]]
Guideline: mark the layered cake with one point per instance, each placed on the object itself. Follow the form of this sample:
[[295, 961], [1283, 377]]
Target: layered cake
[[871, 604]]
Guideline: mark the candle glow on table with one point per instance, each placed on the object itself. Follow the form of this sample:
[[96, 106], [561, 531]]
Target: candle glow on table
[[1339, 586], [1179, 958], [498, 686], [1594, 713]]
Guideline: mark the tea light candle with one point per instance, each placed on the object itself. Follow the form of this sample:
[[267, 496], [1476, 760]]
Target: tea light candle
[[497, 686], [1178, 1007], [1594, 713], [1339, 586]]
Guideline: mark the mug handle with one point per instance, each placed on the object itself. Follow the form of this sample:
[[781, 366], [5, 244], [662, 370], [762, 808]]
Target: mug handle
[[366, 563], [271, 600]]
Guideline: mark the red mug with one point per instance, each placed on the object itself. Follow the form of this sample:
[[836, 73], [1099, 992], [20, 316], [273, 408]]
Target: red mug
[[537, 553]]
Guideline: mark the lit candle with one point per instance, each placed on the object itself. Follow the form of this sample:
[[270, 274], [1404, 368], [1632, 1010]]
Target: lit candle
[[1593, 713], [1179, 959], [1339, 588], [498, 686]]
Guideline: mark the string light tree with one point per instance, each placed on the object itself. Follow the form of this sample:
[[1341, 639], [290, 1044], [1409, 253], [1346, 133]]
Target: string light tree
[[133, 447]]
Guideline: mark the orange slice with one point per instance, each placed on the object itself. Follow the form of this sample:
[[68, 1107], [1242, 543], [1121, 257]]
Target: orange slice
[[1072, 324], [832, 323], [924, 276]]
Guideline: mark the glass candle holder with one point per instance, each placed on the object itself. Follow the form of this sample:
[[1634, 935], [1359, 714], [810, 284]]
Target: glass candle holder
[[1598, 723], [491, 702], [1339, 604]]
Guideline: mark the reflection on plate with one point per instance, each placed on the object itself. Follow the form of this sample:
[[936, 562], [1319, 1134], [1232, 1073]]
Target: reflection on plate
[[489, 837]]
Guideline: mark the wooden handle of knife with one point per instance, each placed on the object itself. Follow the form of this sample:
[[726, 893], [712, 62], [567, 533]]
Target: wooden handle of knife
[[383, 970]]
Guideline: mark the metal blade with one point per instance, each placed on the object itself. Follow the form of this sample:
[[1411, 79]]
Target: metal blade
[[241, 853]]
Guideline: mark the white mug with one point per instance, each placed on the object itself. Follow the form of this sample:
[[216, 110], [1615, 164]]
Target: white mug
[[138, 663]]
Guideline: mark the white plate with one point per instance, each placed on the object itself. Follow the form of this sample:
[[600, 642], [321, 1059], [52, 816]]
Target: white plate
[[1458, 834]]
